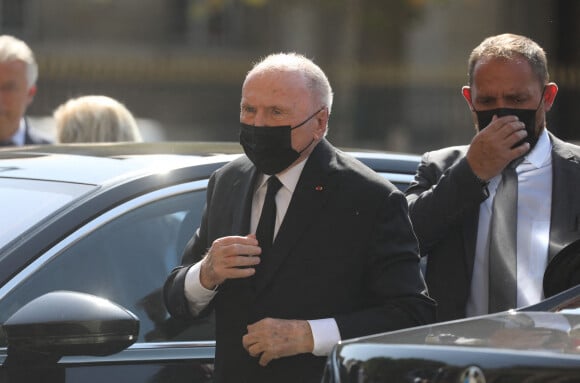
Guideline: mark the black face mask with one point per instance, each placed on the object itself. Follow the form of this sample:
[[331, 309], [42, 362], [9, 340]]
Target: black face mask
[[527, 116], [270, 147]]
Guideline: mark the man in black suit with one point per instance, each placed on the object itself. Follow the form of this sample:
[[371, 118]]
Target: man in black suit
[[344, 262], [452, 196], [18, 74]]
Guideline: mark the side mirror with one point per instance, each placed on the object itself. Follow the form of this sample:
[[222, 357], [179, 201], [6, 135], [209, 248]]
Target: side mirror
[[63, 323]]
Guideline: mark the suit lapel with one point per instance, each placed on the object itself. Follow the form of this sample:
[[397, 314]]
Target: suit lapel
[[242, 191], [243, 187], [565, 210], [307, 202]]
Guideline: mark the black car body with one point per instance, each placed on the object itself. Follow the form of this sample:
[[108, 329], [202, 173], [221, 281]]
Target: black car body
[[539, 343], [108, 220]]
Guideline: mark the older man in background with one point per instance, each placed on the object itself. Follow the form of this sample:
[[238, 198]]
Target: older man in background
[[18, 74]]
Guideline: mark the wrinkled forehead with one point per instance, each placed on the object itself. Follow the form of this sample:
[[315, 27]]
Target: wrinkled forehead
[[276, 86]]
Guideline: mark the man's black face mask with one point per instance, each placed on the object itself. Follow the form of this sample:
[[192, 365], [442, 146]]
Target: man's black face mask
[[270, 147], [527, 116]]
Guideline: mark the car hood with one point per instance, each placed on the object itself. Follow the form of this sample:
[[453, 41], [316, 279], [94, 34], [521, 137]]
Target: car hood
[[512, 330]]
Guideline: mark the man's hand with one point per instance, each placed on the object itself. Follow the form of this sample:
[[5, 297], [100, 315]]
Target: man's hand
[[229, 257], [276, 338], [491, 150]]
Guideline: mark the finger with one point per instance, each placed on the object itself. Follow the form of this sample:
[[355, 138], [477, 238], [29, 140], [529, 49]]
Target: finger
[[245, 260], [265, 358], [520, 150], [245, 342], [243, 249], [236, 239], [255, 351], [237, 273], [233, 256], [221, 268], [498, 122], [515, 128], [249, 340], [516, 139]]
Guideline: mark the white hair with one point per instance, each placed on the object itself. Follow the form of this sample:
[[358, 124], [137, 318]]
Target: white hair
[[95, 119], [315, 78], [13, 49]]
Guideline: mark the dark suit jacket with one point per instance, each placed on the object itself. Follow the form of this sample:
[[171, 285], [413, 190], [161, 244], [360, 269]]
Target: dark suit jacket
[[345, 249], [31, 137], [445, 218]]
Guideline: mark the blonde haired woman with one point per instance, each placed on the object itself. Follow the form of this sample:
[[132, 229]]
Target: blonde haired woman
[[95, 119]]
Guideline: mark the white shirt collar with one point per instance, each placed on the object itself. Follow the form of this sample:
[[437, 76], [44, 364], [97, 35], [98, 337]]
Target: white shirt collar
[[18, 139], [288, 177], [541, 152]]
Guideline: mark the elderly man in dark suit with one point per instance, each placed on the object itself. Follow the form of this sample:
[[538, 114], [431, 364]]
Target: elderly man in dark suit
[[461, 196], [18, 74], [344, 259]]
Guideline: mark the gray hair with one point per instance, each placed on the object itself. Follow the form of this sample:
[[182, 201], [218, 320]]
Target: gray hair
[[95, 119], [13, 49], [510, 46], [316, 79]]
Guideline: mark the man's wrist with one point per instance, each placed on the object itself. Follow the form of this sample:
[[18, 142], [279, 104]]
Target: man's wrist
[[325, 334], [479, 180], [204, 279]]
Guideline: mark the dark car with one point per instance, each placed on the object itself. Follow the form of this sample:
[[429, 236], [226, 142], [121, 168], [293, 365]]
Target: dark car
[[536, 344], [88, 234]]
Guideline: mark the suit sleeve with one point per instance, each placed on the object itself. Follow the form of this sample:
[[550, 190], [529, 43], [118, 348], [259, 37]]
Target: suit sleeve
[[396, 294], [443, 191]]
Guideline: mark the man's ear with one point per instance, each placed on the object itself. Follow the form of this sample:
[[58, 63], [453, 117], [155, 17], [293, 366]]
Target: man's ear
[[31, 94], [466, 91], [322, 121], [550, 92]]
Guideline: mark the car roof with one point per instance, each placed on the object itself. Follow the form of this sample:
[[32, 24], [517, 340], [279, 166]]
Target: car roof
[[69, 162], [107, 162]]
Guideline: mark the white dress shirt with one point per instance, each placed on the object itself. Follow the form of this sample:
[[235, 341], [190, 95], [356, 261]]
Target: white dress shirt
[[324, 331], [533, 232], [18, 138]]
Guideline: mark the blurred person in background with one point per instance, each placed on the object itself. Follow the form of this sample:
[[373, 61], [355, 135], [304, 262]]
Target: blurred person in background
[[18, 75], [453, 200], [95, 118]]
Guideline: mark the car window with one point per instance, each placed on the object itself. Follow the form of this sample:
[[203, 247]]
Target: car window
[[126, 260], [19, 215], [401, 181]]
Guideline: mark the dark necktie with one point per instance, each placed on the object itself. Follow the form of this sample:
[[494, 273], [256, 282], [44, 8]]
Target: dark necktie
[[502, 243], [265, 230]]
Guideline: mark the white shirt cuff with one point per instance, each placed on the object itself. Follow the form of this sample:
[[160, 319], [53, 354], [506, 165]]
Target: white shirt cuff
[[197, 295], [326, 334]]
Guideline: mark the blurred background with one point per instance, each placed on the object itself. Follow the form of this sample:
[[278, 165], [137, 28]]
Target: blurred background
[[396, 66]]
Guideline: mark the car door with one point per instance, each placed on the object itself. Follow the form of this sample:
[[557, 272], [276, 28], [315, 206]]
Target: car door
[[125, 255]]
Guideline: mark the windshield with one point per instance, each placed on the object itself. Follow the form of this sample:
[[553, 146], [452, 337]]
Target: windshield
[[24, 203]]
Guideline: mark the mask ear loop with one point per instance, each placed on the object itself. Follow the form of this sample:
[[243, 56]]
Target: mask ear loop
[[541, 98], [308, 119], [304, 122]]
